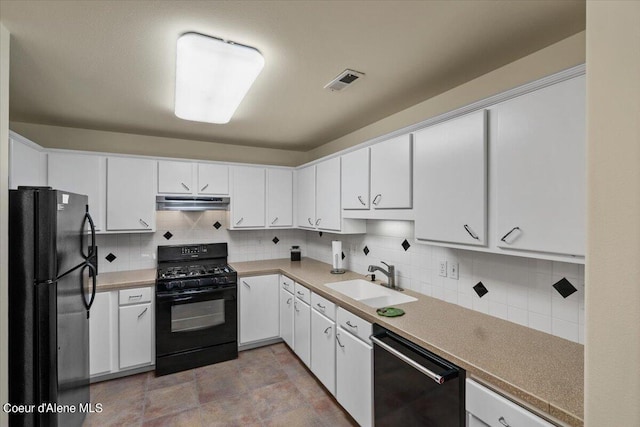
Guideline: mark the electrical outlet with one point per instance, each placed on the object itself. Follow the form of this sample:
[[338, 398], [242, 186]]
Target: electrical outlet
[[443, 268], [453, 270]]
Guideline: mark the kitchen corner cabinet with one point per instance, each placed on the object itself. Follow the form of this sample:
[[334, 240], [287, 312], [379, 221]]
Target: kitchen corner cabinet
[[450, 181], [175, 177], [82, 174], [286, 317], [328, 213], [306, 197], [302, 324], [540, 183], [27, 163], [279, 198], [391, 173], [213, 179], [355, 179], [131, 190], [259, 308], [248, 197], [323, 350]]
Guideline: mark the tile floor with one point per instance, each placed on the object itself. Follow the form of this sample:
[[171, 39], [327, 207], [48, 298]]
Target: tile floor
[[268, 386]]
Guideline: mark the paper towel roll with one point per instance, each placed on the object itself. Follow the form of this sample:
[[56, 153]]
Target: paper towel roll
[[336, 254]]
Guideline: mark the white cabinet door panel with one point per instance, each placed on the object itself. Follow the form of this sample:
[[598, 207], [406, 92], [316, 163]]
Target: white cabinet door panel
[[302, 330], [135, 335], [248, 198], [450, 181], [213, 179], [355, 179], [286, 317], [27, 165], [131, 193], [354, 370], [328, 213], [391, 173], [323, 350], [175, 177], [259, 308], [101, 323], [306, 197], [279, 198]]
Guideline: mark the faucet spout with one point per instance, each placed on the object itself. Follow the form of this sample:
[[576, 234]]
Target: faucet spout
[[390, 273]]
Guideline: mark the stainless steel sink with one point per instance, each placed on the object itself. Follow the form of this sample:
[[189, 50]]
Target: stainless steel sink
[[369, 293]]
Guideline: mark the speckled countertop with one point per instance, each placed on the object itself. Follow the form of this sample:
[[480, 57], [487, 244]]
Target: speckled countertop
[[542, 372]]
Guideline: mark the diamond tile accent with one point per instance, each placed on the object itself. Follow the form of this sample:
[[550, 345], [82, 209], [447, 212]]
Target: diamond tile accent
[[564, 287], [275, 240], [320, 233], [343, 256], [168, 235], [366, 250], [217, 225], [406, 244], [480, 289], [111, 257]]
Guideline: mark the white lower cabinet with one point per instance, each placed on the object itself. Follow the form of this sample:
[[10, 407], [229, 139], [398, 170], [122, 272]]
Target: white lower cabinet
[[302, 330], [286, 317], [135, 335], [323, 350], [102, 329], [487, 408], [259, 314]]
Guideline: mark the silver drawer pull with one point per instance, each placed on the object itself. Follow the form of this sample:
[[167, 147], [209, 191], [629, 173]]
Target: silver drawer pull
[[300, 293], [289, 301], [185, 186], [144, 223], [326, 331], [135, 296], [246, 284], [143, 312], [321, 307], [338, 339], [240, 220], [507, 235], [295, 306], [274, 220], [204, 188], [310, 222], [350, 325], [362, 201], [471, 233], [504, 422]]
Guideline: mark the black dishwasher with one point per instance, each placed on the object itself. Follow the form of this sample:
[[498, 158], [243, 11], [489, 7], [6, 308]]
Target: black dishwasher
[[414, 387]]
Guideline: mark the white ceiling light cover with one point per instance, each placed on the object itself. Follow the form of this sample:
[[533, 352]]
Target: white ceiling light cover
[[212, 77]]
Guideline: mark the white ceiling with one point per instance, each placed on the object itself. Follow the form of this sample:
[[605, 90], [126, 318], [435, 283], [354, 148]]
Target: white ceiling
[[109, 65]]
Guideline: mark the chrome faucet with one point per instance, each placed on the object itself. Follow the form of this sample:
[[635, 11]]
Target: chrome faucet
[[391, 274]]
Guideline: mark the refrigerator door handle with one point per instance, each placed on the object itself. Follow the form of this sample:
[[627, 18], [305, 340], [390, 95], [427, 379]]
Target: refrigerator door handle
[[92, 248], [93, 287]]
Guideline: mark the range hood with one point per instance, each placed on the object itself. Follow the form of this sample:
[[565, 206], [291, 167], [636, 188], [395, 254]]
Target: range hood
[[191, 203]]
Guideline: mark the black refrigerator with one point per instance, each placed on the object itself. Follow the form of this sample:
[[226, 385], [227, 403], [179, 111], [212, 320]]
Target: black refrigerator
[[52, 279]]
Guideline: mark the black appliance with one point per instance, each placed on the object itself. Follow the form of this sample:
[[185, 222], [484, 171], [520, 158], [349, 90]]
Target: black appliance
[[414, 387], [52, 284], [196, 307]]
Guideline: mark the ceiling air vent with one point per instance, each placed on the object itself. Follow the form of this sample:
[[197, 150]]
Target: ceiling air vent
[[344, 80]]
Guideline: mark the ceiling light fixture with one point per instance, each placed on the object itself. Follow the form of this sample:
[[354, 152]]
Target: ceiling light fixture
[[212, 77]]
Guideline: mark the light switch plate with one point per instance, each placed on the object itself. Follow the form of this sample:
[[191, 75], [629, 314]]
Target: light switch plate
[[443, 268], [453, 270]]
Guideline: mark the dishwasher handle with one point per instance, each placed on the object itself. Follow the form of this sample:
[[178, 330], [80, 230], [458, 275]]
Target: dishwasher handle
[[440, 378]]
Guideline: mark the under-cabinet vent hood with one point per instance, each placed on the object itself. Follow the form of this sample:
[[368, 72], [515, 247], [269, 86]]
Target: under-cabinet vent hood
[[191, 203]]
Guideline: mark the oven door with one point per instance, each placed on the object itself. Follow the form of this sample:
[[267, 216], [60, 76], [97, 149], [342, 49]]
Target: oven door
[[195, 319]]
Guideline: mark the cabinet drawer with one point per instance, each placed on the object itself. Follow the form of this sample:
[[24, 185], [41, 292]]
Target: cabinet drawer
[[303, 293], [134, 296], [323, 305], [287, 284], [497, 411], [352, 323]]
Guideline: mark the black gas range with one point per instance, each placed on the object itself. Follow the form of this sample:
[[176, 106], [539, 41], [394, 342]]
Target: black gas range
[[196, 307]]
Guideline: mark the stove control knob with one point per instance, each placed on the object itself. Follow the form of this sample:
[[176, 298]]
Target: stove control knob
[[181, 284], [169, 286]]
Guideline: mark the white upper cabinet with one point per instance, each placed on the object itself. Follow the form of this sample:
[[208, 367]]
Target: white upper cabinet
[[355, 179], [248, 197], [82, 174], [539, 141], [175, 177], [450, 181], [328, 214], [391, 163], [279, 198], [27, 163], [131, 189], [306, 197], [213, 179]]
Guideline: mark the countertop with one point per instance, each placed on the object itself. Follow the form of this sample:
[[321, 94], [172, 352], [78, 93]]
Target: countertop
[[540, 371]]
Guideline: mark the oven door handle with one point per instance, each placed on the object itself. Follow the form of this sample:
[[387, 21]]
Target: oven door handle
[[182, 299]]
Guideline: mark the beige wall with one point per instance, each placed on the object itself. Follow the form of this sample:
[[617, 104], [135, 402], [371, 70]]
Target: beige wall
[[127, 143], [612, 352], [559, 56], [4, 211]]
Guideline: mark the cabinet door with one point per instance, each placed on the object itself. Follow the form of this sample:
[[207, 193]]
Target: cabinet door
[[306, 197], [328, 211], [101, 324], [286, 317], [391, 163], [323, 350], [26, 165], [279, 197], [131, 194], [82, 174], [355, 179], [540, 170], [259, 312], [175, 177], [248, 197], [354, 370], [213, 179], [302, 330], [135, 335], [450, 181]]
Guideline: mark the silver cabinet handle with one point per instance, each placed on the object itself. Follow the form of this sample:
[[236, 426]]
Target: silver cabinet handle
[[471, 233], [326, 331], [240, 220], [246, 284], [135, 296], [437, 378], [338, 339], [274, 220], [143, 312], [362, 201], [376, 198], [300, 293], [310, 222], [507, 235], [185, 186], [318, 221], [205, 187], [144, 223], [351, 326], [504, 422], [289, 301], [322, 307], [295, 307]]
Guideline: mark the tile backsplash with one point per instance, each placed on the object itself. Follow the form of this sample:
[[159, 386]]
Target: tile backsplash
[[520, 290]]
